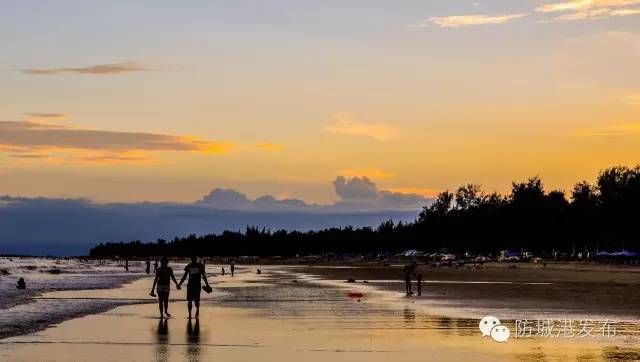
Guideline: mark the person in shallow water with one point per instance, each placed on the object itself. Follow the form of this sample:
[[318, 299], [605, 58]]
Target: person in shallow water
[[21, 284], [164, 274], [195, 272]]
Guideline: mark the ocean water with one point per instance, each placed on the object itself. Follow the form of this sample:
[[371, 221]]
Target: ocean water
[[21, 311]]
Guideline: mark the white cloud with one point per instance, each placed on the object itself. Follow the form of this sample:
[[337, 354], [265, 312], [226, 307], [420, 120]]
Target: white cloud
[[590, 9], [470, 20]]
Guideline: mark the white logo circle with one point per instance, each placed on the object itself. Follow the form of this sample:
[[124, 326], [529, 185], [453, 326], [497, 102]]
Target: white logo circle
[[487, 323], [500, 333]]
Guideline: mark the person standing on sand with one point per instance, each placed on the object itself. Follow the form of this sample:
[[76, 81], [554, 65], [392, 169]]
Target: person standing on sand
[[409, 271], [164, 274], [232, 266], [195, 272], [148, 268], [419, 280], [155, 266]]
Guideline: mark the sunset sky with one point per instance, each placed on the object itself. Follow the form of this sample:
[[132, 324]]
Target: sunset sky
[[165, 100]]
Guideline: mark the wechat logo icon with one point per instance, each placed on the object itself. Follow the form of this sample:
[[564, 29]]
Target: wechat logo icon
[[490, 326]]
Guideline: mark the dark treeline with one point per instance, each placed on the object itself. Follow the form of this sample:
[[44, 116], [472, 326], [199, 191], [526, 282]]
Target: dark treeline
[[603, 216]]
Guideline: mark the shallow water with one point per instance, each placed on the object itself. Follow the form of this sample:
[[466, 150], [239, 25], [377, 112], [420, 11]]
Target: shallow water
[[282, 315]]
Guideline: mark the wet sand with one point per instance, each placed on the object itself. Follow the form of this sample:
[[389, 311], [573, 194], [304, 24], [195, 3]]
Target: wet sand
[[283, 315], [579, 290]]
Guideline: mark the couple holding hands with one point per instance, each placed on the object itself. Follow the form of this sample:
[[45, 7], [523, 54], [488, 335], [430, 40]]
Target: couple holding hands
[[164, 275]]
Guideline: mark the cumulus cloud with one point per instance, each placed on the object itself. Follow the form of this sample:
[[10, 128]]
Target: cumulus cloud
[[357, 194], [356, 188], [362, 193], [590, 9], [97, 69], [225, 199], [228, 199], [87, 144], [457, 21], [347, 125]]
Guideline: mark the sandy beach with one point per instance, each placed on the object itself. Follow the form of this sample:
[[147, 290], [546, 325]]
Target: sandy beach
[[290, 314]]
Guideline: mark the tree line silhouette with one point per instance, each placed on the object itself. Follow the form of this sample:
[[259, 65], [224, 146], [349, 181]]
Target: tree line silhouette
[[599, 216]]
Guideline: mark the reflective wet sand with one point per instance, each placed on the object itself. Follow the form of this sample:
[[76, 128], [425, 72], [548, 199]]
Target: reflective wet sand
[[283, 316]]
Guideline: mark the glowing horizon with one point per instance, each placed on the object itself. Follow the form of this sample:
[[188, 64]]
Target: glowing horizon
[[282, 96]]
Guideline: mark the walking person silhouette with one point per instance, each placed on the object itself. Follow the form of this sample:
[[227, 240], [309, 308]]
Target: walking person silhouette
[[164, 274], [195, 272]]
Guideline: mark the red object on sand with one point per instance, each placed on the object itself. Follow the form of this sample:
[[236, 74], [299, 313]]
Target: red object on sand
[[355, 295]]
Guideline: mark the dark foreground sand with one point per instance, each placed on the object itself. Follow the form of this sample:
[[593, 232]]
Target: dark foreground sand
[[283, 315]]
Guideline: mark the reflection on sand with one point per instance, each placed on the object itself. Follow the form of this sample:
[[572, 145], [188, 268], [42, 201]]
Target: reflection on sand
[[280, 320], [193, 340], [162, 340]]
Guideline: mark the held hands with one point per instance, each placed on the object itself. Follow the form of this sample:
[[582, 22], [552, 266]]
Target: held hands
[[152, 294]]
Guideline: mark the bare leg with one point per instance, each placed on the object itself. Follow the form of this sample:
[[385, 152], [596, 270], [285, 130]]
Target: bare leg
[[166, 306], [189, 306], [197, 309], [160, 304]]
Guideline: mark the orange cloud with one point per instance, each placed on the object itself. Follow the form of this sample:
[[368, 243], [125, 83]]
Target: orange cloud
[[97, 146], [129, 157], [590, 9], [469, 20]]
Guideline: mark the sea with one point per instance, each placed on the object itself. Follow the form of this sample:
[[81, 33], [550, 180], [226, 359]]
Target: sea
[[24, 311]]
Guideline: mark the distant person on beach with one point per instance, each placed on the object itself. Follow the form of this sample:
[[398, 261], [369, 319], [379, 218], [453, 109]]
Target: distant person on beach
[[126, 265], [21, 284], [155, 266], [409, 271], [223, 272], [148, 268], [232, 266], [419, 279], [195, 272], [164, 274]]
